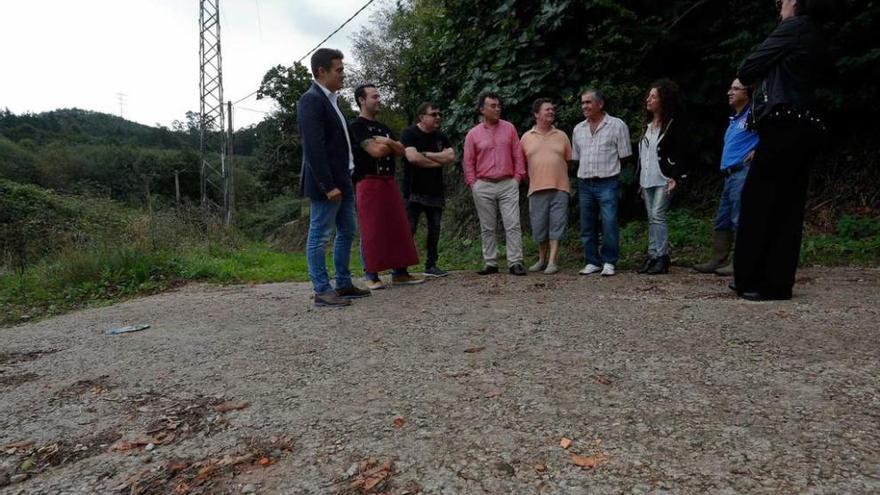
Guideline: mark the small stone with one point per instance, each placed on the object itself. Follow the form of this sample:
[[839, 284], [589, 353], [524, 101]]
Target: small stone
[[150, 447], [249, 488], [18, 478], [352, 470], [505, 468]]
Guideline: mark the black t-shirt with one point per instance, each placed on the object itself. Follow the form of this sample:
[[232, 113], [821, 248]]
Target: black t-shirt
[[419, 181], [362, 129]]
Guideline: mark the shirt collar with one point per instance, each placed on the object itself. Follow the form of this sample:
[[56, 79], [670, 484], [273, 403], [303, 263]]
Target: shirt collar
[[327, 92], [487, 126], [745, 110], [536, 131]]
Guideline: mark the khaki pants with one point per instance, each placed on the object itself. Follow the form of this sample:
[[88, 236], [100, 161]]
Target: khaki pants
[[489, 198]]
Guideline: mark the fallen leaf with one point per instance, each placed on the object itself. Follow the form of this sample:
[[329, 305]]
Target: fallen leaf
[[588, 462], [492, 393], [603, 380], [474, 350], [230, 406], [540, 467], [565, 443], [124, 446], [399, 422], [18, 445], [411, 488]]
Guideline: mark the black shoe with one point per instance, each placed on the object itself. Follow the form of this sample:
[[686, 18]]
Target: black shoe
[[764, 296], [434, 271], [517, 269], [649, 262], [659, 267], [488, 270], [352, 293]]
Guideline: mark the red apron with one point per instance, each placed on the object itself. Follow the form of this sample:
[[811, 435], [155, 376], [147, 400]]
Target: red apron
[[385, 236]]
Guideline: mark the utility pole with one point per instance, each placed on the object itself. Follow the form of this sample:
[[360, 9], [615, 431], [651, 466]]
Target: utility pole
[[229, 184], [215, 180], [120, 97]]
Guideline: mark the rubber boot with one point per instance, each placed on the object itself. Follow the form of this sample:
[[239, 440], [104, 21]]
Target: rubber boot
[[721, 242], [726, 270]]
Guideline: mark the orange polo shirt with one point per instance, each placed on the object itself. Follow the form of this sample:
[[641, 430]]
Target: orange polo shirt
[[547, 156]]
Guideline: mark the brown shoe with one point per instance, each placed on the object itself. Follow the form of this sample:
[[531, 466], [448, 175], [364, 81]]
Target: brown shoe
[[330, 300], [352, 293], [406, 279]]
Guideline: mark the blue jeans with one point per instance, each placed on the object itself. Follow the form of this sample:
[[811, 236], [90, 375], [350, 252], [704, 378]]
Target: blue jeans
[[657, 204], [598, 199], [324, 215], [728, 209]]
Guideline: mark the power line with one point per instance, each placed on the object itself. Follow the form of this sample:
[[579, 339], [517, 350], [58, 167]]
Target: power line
[[316, 46]]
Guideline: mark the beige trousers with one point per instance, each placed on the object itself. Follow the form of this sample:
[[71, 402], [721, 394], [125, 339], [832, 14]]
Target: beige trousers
[[489, 199]]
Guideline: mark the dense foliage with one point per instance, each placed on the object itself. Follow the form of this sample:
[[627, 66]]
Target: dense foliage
[[449, 51]]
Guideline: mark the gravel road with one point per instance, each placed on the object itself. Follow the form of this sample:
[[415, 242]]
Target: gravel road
[[463, 385]]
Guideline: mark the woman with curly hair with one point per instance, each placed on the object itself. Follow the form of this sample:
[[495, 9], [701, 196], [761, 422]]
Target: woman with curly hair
[[662, 167]]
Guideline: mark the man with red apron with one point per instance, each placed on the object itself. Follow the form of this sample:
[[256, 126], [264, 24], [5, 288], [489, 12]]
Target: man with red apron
[[386, 240]]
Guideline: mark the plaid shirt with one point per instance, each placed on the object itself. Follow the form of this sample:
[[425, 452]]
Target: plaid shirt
[[598, 154]]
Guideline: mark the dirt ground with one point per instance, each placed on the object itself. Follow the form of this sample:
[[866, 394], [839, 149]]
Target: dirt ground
[[465, 385]]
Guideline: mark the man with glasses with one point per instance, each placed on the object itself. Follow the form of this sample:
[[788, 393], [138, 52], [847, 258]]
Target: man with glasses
[[427, 151], [494, 166], [739, 148]]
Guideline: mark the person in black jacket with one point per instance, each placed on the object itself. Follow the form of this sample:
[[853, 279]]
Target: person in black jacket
[[772, 213], [662, 167]]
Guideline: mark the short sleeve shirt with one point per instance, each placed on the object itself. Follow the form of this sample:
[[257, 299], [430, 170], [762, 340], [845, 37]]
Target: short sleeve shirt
[[599, 153], [547, 156], [362, 129], [423, 185]]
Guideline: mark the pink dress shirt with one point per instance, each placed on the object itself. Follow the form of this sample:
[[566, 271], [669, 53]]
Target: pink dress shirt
[[493, 153]]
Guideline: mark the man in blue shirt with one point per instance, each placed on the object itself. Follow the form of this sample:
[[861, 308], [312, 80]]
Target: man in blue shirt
[[739, 148]]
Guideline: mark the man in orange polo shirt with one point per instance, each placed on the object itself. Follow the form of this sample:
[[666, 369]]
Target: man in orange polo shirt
[[547, 151]]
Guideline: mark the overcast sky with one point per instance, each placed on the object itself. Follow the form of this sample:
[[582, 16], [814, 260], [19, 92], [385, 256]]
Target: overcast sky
[[66, 53]]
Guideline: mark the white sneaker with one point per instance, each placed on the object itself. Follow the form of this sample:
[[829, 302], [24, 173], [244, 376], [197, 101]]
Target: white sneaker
[[607, 270], [590, 268], [551, 269]]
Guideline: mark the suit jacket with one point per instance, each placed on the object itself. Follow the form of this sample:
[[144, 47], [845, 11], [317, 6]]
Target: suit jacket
[[325, 148]]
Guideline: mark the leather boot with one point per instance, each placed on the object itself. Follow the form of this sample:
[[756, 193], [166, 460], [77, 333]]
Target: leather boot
[[721, 242], [660, 267], [649, 262]]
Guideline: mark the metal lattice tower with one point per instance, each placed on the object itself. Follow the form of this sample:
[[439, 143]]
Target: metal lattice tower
[[216, 173]]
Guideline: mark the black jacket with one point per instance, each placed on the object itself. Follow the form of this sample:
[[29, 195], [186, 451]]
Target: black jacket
[[783, 67], [672, 152]]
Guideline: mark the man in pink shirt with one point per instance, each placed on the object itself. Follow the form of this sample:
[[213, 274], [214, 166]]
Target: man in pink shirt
[[494, 166]]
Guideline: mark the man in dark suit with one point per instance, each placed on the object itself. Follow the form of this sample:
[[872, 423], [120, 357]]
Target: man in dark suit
[[326, 180]]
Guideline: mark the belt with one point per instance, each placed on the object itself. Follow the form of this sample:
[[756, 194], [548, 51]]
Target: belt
[[496, 179], [732, 170], [596, 179]]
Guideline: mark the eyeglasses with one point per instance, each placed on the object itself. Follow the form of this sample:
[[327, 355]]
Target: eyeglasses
[[734, 88], [436, 115]]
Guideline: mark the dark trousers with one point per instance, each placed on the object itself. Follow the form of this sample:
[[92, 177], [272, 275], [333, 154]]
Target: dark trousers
[[434, 215], [768, 239]]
